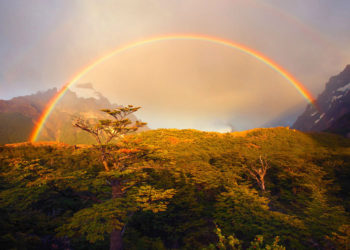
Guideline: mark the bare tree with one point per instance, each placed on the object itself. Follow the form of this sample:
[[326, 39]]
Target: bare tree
[[258, 172]]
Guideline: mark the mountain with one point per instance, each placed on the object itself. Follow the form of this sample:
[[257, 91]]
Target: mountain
[[334, 107], [14, 127], [19, 115], [285, 119]]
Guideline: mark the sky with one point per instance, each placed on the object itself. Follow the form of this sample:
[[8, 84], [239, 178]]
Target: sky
[[181, 84]]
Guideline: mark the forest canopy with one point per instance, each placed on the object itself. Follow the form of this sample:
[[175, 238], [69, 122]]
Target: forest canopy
[[182, 189]]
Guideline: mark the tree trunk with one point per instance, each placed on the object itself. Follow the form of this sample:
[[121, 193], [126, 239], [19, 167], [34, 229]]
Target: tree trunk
[[263, 185], [105, 164], [104, 158], [116, 238], [116, 189]]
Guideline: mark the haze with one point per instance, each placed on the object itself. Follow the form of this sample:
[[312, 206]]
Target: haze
[[182, 84]]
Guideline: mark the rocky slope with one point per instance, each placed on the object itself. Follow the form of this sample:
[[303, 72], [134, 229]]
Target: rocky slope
[[334, 107]]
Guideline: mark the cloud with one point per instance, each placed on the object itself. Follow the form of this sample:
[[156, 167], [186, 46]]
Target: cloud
[[175, 81], [191, 84], [87, 85]]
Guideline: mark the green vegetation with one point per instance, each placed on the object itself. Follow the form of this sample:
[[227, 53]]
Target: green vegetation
[[180, 189]]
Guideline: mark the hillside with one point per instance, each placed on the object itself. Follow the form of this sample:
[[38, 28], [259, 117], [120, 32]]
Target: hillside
[[190, 190], [14, 127]]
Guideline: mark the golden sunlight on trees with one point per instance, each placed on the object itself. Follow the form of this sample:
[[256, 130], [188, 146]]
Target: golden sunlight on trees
[[124, 163], [178, 189], [109, 129]]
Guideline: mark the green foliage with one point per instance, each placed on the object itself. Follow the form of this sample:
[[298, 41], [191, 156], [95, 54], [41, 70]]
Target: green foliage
[[229, 243], [178, 189], [243, 212], [323, 218], [95, 222], [258, 244], [151, 199], [232, 243], [341, 238]]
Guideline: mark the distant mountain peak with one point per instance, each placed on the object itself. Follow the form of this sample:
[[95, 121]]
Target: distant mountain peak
[[334, 103], [338, 80]]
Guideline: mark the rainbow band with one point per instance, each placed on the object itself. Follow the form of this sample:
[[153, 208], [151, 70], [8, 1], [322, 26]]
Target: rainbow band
[[52, 103]]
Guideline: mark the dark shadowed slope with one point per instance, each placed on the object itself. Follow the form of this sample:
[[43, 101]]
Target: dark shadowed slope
[[334, 103]]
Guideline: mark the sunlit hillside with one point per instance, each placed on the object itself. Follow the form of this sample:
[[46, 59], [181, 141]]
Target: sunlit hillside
[[57, 195], [175, 125]]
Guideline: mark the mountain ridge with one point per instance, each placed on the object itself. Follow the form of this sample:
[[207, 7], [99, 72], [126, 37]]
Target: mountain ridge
[[333, 102], [58, 127]]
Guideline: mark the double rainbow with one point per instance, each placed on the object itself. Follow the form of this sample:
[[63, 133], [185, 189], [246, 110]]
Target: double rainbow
[[54, 100]]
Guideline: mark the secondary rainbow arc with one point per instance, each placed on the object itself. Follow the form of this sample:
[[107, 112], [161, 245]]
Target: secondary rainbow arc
[[279, 69]]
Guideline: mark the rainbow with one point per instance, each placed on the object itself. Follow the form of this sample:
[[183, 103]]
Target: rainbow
[[315, 35], [54, 100]]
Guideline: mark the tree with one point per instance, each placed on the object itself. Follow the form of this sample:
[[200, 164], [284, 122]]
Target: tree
[[107, 130], [341, 239], [123, 164], [258, 172]]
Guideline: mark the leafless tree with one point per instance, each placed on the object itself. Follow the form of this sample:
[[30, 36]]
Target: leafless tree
[[258, 171]]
